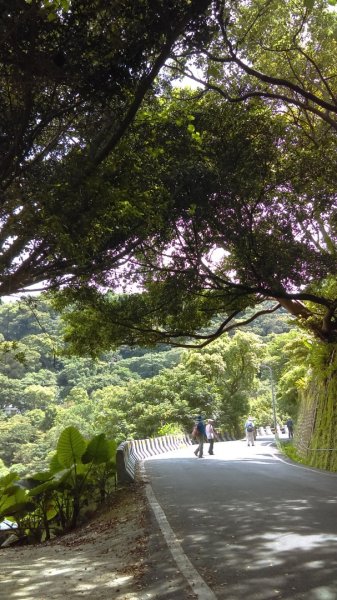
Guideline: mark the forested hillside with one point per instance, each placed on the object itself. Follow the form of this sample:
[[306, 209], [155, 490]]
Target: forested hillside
[[209, 206], [129, 392]]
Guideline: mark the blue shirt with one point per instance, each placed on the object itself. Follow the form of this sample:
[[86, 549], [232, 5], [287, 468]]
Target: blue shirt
[[201, 427]]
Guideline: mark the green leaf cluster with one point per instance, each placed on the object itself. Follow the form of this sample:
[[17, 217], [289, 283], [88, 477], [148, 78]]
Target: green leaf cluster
[[81, 473]]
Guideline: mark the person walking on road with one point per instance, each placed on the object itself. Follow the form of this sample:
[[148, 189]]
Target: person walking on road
[[200, 436], [210, 435], [290, 426], [249, 428]]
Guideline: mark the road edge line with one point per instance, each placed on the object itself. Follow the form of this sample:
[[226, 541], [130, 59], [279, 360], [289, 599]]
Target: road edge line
[[193, 578]]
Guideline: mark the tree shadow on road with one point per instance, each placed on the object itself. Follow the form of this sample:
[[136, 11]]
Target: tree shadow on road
[[254, 526]]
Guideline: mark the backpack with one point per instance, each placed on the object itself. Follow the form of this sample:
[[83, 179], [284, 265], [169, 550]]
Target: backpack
[[195, 431], [250, 427]]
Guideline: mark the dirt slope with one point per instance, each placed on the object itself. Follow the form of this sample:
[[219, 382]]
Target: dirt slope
[[102, 560]]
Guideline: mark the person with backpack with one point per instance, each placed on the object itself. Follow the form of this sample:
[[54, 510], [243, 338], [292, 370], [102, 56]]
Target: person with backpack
[[200, 432], [249, 428]]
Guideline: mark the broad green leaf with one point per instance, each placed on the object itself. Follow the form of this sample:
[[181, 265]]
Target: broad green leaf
[[52, 511], [62, 476], [12, 489], [10, 504], [18, 508], [113, 448], [98, 451], [41, 477], [27, 483], [68, 477], [70, 447], [55, 464], [8, 479], [47, 485]]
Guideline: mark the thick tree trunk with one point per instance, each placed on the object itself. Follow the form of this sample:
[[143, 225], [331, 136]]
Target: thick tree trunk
[[325, 329]]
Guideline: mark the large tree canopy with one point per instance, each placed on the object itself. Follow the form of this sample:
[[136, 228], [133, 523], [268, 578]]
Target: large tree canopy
[[253, 218], [72, 81], [86, 185]]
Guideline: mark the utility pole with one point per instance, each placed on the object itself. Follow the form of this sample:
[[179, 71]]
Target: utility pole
[[272, 395]]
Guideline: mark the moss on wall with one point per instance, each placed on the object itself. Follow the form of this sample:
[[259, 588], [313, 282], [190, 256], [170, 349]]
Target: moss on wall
[[316, 431]]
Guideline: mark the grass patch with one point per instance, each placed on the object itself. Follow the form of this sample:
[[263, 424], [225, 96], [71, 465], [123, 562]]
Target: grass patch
[[288, 448]]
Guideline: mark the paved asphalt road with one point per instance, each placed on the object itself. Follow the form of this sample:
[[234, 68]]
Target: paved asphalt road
[[246, 523]]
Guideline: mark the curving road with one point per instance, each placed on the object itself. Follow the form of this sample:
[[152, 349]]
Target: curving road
[[246, 523]]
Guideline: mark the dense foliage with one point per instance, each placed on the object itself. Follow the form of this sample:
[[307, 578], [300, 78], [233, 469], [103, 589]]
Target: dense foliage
[[282, 52], [128, 393], [73, 76], [248, 223], [80, 476]]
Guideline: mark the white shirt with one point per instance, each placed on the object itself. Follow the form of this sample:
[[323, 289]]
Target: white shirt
[[209, 431]]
